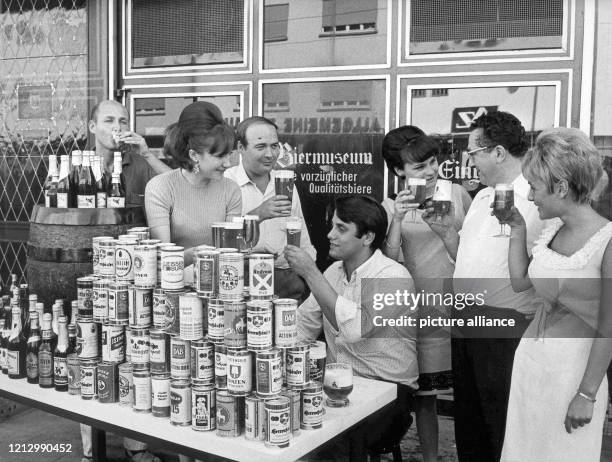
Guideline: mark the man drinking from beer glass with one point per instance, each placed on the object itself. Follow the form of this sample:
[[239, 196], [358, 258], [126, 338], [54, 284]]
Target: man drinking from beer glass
[[271, 195]]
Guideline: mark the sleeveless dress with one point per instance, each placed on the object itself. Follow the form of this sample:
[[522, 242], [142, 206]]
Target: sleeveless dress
[[425, 257], [551, 358]]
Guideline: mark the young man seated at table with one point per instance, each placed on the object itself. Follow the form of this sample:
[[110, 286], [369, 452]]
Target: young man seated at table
[[335, 307]]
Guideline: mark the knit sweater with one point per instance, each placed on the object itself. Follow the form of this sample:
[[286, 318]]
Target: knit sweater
[[170, 200]]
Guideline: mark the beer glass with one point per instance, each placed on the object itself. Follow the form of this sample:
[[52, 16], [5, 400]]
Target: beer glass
[[283, 183], [232, 234], [250, 230], [416, 186], [502, 206], [242, 245], [338, 384], [294, 230], [217, 234], [442, 198]]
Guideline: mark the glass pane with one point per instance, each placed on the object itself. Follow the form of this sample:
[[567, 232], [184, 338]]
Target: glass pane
[[336, 144], [443, 26], [184, 32], [152, 115], [322, 33]]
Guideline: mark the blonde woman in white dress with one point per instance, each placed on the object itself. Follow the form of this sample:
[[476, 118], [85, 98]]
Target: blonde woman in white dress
[[559, 392]]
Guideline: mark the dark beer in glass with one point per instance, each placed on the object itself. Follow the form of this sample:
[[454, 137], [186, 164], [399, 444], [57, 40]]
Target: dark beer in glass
[[442, 198], [502, 206], [338, 384], [294, 231], [283, 183], [416, 186]]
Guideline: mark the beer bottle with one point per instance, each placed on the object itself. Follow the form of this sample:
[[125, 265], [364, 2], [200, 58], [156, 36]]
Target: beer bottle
[[118, 168], [60, 357], [48, 186], [57, 311], [6, 332], [45, 354], [24, 293], [101, 183], [74, 311], [17, 348], [73, 178], [3, 345], [40, 309], [116, 197], [63, 185], [86, 188], [14, 289], [32, 348], [72, 338]]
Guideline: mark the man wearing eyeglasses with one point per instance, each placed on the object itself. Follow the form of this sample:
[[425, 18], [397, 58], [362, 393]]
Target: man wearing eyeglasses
[[482, 358]]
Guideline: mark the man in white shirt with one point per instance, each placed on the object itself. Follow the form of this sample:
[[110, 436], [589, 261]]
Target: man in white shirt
[[482, 358], [339, 307], [259, 149]]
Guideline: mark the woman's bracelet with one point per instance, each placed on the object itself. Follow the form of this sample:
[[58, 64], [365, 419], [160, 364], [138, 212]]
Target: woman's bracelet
[[587, 397]]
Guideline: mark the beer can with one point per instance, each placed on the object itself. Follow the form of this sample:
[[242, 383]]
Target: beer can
[[206, 270], [127, 341], [173, 313], [180, 402], [96, 252], [126, 384], [159, 352], [221, 367], [106, 258], [217, 233], [142, 232], [74, 374], [158, 249], [259, 325], [261, 275], [150, 241], [285, 322], [87, 338], [160, 395], [239, 372], [140, 348], [129, 237], [113, 343], [295, 402], [89, 378], [118, 303], [203, 406], [108, 382], [312, 406], [278, 426], [231, 276], [191, 316], [297, 366], [140, 306], [145, 266], [180, 361], [230, 414], [172, 265], [203, 361], [100, 300], [124, 259], [268, 375], [234, 320], [216, 321], [142, 391], [159, 308], [254, 418], [84, 295], [317, 358]]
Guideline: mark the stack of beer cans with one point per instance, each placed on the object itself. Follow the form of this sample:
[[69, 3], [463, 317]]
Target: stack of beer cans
[[223, 355]]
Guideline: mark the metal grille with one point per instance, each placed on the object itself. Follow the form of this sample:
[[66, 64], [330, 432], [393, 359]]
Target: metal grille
[[444, 20], [163, 28], [43, 106]]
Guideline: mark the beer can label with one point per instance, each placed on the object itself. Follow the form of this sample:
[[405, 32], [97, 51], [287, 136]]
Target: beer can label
[[158, 353], [85, 299], [297, 367], [106, 258], [235, 325], [239, 380], [180, 360], [118, 305], [261, 275], [142, 393], [191, 314], [203, 410], [160, 402], [172, 265], [285, 325], [231, 276], [203, 362], [89, 381], [173, 316], [124, 261], [312, 410], [259, 328], [220, 368], [269, 376], [126, 387], [139, 348], [180, 405], [216, 321], [100, 304], [206, 275], [159, 309], [229, 416], [145, 266], [113, 343], [108, 383], [278, 428], [140, 306], [87, 338]]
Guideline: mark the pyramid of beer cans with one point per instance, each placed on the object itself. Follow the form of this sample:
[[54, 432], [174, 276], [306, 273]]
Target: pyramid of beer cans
[[221, 356]]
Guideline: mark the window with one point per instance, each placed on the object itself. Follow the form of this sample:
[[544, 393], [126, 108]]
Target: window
[[275, 22], [276, 97], [336, 96], [349, 17], [439, 92], [419, 93]]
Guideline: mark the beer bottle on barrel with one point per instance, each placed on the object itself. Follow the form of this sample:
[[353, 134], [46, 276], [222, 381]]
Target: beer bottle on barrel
[[101, 183], [3, 345], [16, 352], [45, 354], [86, 188], [116, 196], [73, 179], [60, 357], [32, 348], [63, 185], [49, 180]]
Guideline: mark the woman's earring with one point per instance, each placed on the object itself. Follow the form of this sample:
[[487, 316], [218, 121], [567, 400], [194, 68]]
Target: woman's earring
[[196, 168]]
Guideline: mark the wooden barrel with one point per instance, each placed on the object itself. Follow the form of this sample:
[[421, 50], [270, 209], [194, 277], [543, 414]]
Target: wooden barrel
[[60, 246]]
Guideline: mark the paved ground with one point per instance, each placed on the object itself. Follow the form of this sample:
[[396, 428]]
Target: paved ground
[[33, 426]]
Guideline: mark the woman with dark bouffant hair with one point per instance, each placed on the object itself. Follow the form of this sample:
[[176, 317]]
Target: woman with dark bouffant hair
[[182, 204]]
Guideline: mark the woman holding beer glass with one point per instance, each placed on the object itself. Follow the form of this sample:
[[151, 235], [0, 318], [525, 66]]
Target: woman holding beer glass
[[412, 156], [558, 394], [182, 204]]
